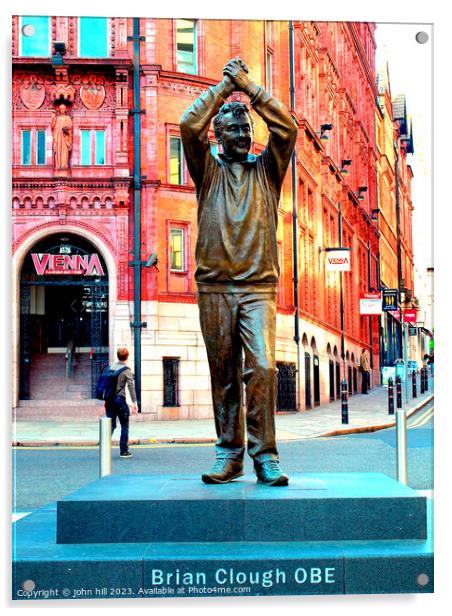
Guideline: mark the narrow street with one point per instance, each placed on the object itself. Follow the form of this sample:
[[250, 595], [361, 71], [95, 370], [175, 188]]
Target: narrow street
[[43, 475]]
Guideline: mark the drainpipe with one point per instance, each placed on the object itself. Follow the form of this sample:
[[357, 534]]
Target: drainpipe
[[369, 288], [380, 318], [295, 218], [136, 324], [341, 288], [379, 289], [399, 248]]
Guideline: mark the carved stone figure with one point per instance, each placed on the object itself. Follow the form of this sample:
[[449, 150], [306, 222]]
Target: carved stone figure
[[62, 138], [237, 265]]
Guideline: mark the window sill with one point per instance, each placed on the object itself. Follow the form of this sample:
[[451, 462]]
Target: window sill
[[178, 187]]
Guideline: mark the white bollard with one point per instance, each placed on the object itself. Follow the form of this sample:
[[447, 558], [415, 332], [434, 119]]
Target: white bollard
[[104, 446], [401, 447]]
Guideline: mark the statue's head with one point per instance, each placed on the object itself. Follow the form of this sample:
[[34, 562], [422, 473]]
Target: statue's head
[[62, 108], [234, 130]]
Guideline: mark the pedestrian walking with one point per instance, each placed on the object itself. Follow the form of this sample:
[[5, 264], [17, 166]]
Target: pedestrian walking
[[365, 371], [116, 406]]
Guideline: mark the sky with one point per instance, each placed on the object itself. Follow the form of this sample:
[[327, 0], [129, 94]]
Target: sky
[[410, 73]]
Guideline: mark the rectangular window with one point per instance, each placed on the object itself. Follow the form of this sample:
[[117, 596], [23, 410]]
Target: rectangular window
[[40, 147], [100, 147], [280, 294], [268, 71], [177, 250], [90, 139], [269, 55], [85, 157], [34, 36], [26, 147], [171, 381], [186, 46], [269, 32], [93, 37], [176, 169]]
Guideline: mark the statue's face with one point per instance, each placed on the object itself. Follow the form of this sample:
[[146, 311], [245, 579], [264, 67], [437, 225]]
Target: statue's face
[[62, 108], [236, 136]]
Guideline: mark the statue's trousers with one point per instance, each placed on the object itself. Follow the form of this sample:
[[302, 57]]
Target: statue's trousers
[[231, 322]]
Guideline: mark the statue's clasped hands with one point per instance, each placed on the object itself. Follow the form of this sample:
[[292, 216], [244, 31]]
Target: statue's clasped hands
[[236, 73]]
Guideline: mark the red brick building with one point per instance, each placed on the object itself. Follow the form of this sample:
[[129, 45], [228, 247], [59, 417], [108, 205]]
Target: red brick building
[[394, 143], [86, 209]]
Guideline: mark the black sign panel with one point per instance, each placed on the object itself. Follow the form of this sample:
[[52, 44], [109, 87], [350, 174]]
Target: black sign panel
[[412, 331], [390, 297]]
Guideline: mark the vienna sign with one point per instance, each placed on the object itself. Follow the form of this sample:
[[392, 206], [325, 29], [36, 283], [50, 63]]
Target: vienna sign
[[337, 259], [76, 265]]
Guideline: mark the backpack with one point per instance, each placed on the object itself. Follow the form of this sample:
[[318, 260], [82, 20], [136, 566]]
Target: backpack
[[107, 382]]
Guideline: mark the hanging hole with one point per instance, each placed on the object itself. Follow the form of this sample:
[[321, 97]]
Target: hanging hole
[[28, 585], [422, 579], [422, 37]]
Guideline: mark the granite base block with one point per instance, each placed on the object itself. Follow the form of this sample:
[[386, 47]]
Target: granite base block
[[43, 569], [325, 507], [237, 562]]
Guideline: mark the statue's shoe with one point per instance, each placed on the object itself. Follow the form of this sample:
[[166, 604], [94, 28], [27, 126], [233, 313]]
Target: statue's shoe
[[269, 473], [223, 471]]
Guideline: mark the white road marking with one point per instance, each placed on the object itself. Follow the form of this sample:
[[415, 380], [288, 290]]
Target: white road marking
[[19, 515]]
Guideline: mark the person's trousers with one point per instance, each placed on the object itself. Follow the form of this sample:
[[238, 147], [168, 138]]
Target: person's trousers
[[365, 374], [230, 323], [119, 409]]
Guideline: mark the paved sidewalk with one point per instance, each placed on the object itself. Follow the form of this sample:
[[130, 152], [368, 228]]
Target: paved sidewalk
[[366, 413]]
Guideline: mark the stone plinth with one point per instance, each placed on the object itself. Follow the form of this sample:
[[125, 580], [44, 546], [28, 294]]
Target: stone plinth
[[314, 507]]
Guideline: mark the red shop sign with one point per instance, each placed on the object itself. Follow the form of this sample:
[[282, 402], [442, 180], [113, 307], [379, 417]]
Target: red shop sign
[[410, 315]]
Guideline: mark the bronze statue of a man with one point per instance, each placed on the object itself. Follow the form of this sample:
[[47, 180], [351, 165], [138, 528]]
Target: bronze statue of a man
[[237, 265]]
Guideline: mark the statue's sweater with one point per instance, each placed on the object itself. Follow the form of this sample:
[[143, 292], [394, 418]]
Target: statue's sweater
[[236, 249]]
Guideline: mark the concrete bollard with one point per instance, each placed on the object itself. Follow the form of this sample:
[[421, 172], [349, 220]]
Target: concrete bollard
[[344, 402], [414, 383], [104, 446]]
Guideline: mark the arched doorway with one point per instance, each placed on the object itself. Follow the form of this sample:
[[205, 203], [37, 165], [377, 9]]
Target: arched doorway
[[355, 374], [349, 374], [63, 318], [330, 372], [307, 373], [338, 373], [316, 372]]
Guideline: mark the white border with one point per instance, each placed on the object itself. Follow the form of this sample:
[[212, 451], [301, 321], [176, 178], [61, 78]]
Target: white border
[[415, 11]]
